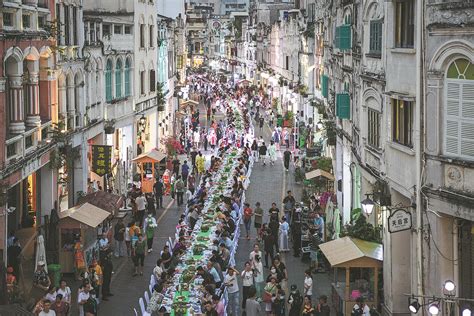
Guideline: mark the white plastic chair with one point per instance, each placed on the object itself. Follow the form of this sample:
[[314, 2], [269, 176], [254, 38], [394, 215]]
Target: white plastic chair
[[135, 311], [172, 243], [142, 305], [151, 289], [152, 281], [147, 297]]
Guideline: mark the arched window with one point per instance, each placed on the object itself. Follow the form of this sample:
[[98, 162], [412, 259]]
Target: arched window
[[127, 78], [118, 79], [459, 109], [108, 81]]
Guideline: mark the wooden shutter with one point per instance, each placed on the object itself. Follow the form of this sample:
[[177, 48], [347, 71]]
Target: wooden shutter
[[459, 129], [337, 38], [345, 33], [343, 106], [325, 86]]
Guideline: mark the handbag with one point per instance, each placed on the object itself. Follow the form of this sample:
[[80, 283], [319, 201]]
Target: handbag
[[267, 297]]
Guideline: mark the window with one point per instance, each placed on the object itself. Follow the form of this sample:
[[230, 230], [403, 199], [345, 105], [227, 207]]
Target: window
[[26, 21], [375, 45], [7, 19], [58, 23], [343, 38], [466, 260], [75, 40], [142, 82], [152, 36], [311, 12], [373, 136], [152, 81], [11, 150], [108, 81], [402, 122], [28, 141], [343, 105], [106, 30], [128, 29], [41, 21], [287, 62], [127, 77], [66, 25], [142, 35], [117, 29], [405, 24], [459, 109], [118, 79]]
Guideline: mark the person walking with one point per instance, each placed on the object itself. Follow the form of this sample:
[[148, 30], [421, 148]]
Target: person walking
[[259, 279], [176, 164], [262, 151], [269, 293], [308, 284], [185, 171], [150, 225], [289, 203], [158, 190], [141, 207], [230, 281], [107, 269], [287, 158], [274, 227], [258, 218], [254, 149], [283, 235], [268, 245], [119, 236], [139, 255], [248, 213], [252, 305], [180, 188], [247, 281], [323, 309], [272, 152], [295, 300]]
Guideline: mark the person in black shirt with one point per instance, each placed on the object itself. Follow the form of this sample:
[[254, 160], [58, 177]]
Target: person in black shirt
[[176, 164], [158, 190], [287, 158], [268, 245], [274, 226]]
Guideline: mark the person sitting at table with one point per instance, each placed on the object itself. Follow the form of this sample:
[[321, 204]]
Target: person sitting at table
[[179, 245]]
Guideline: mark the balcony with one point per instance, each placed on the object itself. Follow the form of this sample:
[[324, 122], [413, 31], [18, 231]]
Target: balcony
[[33, 3]]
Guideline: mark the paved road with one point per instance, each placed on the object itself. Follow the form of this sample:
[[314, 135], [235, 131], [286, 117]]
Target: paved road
[[267, 184]]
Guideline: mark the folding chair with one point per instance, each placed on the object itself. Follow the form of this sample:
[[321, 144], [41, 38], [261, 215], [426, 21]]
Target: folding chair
[[152, 280], [151, 289], [142, 305], [147, 297], [135, 311]]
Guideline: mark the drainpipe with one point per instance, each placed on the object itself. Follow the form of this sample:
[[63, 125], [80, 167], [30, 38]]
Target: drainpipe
[[419, 144]]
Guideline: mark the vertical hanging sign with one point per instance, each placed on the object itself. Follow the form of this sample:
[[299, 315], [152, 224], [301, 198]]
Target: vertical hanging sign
[[101, 159]]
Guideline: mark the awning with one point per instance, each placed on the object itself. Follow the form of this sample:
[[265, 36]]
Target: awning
[[319, 173], [152, 156], [244, 81], [107, 201], [346, 249], [86, 213], [189, 103]]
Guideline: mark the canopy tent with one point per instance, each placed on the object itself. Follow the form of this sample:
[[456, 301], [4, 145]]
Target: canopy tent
[[152, 156], [319, 173], [244, 82], [86, 213], [342, 251], [106, 201], [188, 103]]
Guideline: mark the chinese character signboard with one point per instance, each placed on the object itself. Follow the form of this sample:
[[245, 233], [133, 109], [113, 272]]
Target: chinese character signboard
[[101, 159], [399, 220]]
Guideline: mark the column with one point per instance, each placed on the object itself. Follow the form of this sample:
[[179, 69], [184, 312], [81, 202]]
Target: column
[[32, 98], [15, 100], [71, 111]]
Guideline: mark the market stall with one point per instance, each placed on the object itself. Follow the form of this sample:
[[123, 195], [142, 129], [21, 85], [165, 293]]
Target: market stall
[[78, 236], [107, 201], [362, 262], [149, 163]]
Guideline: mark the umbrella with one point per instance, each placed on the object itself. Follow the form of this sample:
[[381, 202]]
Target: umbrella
[[40, 252]]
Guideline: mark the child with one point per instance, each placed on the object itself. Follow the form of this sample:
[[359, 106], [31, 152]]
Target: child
[[260, 232]]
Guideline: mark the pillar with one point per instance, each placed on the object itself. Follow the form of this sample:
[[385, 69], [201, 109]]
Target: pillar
[[47, 189], [32, 101], [15, 100]]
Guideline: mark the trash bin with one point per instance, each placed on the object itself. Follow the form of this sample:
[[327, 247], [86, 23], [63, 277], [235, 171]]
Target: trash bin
[[54, 271]]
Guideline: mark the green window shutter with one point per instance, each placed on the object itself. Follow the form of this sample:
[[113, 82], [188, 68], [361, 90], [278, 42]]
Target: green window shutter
[[325, 86], [343, 106], [345, 33], [337, 38]]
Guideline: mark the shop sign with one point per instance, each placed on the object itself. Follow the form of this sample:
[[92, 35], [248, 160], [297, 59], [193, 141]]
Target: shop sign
[[400, 220], [101, 159]]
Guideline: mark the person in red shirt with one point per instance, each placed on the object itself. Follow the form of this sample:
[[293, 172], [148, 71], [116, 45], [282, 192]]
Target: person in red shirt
[[248, 212]]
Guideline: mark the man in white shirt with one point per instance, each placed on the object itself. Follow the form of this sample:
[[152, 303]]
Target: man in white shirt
[[103, 242], [360, 306], [256, 251], [82, 298], [47, 311], [230, 281], [141, 206]]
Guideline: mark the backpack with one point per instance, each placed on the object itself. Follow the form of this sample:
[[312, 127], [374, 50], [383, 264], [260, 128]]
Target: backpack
[[357, 311]]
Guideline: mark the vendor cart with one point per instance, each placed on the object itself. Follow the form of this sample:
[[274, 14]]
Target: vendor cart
[[78, 235], [148, 164], [361, 262]]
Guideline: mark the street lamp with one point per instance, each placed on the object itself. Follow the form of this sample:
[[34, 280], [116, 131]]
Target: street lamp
[[368, 206]]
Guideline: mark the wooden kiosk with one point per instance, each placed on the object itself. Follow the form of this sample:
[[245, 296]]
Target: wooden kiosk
[[362, 261], [79, 224], [147, 163]]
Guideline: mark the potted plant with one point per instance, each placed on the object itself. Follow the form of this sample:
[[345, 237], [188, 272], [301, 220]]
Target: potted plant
[[288, 119]]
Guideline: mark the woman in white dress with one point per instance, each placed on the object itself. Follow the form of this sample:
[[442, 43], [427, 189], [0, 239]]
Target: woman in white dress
[[272, 152], [283, 235]]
